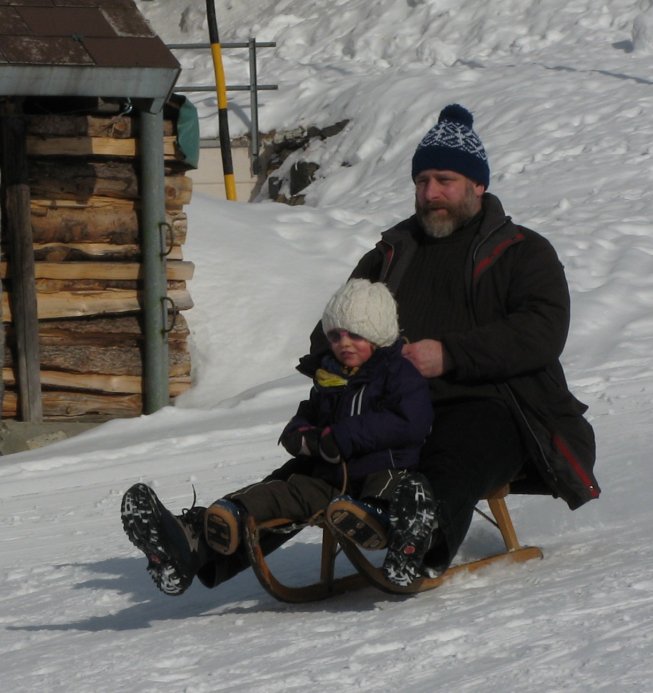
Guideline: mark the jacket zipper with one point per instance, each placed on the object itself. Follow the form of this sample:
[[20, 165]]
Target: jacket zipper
[[357, 402], [540, 449]]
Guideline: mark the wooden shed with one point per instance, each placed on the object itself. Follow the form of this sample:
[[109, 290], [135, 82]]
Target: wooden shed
[[93, 186]]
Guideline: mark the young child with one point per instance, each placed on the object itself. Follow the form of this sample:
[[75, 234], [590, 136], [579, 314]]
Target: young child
[[368, 414], [366, 418]]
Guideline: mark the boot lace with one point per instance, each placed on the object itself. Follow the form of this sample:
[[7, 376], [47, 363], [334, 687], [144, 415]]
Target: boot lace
[[193, 517]]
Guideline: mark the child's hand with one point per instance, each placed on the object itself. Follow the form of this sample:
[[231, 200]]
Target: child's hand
[[329, 448], [303, 441]]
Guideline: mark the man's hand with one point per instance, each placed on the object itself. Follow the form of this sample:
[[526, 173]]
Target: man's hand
[[429, 357]]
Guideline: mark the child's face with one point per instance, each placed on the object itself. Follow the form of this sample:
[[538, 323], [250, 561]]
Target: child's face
[[350, 349]]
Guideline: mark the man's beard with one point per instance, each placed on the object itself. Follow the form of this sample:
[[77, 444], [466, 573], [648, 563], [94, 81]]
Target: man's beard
[[437, 225]]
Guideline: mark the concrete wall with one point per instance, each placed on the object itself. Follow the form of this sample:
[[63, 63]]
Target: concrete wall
[[208, 177]]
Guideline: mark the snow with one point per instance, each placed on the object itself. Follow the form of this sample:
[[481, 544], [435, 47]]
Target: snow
[[562, 96]]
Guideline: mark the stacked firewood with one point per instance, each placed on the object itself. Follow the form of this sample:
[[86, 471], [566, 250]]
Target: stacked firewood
[[84, 180]]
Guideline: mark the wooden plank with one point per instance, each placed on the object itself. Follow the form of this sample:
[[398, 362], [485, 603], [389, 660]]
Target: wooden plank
[[79, 252], [98, 382], [83, 360], [92, 146], [79, 180], [19, 236], [67, 125], [53, 286], [82, 179], [98, 330], [76, 304], [178, 191], [84, 223], [95, 201], [97, 220], [175, 270], [79, 406]]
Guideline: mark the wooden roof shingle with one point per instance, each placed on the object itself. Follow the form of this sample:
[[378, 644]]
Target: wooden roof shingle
[[82, 48]]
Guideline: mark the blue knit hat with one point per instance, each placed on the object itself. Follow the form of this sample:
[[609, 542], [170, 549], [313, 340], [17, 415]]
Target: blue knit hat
[[452, 145]]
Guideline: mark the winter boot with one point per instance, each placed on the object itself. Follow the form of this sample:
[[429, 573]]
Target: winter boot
[[222, 526], [173, 544], [359, 521], [412, 522]]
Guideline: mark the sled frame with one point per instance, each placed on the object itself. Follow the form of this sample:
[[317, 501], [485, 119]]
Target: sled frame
[[368, 574], [327, 584]]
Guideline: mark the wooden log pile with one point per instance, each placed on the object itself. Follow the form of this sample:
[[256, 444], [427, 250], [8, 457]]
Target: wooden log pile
[[84, 182]]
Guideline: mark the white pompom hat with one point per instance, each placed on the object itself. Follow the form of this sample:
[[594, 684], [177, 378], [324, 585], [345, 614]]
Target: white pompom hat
[[365, 308]]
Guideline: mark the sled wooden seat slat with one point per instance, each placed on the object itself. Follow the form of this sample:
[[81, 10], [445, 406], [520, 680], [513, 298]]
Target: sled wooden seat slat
[[367, 573]]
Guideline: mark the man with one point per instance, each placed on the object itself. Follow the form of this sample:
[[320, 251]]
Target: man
[[484, 306]]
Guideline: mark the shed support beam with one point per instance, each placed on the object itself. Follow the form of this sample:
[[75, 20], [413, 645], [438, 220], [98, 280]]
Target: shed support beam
[[155, 302], [17, 225]]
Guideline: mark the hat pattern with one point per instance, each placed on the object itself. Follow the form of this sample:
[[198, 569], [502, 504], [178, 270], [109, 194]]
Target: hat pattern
[[451, 144]]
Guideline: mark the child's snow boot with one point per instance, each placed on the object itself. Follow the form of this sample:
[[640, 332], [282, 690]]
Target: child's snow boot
[[173, 544], [412, 522]]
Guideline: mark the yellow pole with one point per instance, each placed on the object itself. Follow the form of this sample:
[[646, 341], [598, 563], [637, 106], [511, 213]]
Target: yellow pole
[[221, 89]]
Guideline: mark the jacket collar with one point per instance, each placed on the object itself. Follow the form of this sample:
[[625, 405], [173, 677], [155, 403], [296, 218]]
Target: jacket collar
[[495, 225], [494, 216], [309, 364]]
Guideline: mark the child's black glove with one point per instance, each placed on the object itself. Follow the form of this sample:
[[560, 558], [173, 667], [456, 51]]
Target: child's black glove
[[303, 441], [328, 447]]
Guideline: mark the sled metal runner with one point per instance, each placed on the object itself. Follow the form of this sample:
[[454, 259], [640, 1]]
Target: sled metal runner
[[368, 574]]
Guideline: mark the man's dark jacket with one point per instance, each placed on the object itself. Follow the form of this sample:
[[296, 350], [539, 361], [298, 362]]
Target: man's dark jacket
[[519, 304]]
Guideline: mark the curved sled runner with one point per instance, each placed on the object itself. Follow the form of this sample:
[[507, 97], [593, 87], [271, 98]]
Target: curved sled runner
[[328, 585]]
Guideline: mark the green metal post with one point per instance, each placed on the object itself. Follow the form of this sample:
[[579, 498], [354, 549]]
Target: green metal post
[[155, 368]]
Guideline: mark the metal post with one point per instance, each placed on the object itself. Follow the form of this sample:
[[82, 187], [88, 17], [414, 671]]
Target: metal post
[[253, 100], [155, 367], [253, 88]]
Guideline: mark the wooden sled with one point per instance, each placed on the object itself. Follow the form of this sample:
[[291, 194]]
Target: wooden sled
[[328, 585]]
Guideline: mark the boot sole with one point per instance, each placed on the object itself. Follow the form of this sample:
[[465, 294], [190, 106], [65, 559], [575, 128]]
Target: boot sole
[[413, 519], [221, 530], [141, 518], [357, 525]]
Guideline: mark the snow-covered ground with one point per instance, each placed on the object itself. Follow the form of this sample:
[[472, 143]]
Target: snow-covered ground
[[562, 92]]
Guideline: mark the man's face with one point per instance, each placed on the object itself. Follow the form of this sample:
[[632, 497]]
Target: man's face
[[445, 200]]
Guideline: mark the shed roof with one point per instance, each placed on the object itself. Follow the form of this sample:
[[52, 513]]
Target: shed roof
[[82, 48]]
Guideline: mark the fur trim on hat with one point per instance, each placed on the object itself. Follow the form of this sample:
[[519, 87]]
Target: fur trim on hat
[[364, 308]]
